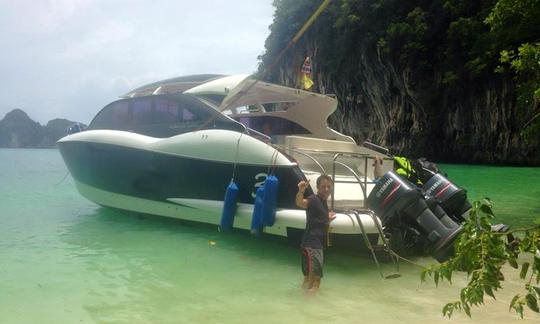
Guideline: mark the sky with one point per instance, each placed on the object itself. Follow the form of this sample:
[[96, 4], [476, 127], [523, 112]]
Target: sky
[[69, 58]]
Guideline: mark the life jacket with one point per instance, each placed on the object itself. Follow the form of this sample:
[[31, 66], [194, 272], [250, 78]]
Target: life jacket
[[417, 171], [405, 168]]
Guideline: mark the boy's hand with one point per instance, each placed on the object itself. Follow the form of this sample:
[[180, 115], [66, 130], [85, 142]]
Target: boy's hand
[[302, 185], [377, 165], [331, 216]]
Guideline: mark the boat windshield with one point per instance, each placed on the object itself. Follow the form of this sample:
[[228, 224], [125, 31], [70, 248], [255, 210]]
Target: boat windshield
[[162, 116]]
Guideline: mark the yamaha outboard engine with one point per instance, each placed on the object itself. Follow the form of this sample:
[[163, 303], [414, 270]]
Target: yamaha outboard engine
[[395, 199], [452, 198]]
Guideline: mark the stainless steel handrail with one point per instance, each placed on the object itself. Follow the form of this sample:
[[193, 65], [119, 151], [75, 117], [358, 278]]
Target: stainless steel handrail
[[351, 154], [386, 244], [305, 154], [363, 184]]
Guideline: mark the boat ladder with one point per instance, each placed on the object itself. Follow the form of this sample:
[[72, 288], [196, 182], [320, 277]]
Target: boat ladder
[[374, 248], [384, 245]]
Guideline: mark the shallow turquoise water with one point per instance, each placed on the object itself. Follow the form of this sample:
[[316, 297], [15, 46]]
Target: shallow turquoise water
[[65, 260], [514, 191]]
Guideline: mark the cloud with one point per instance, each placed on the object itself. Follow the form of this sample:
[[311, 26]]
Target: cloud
[[39, 17], [68, 58]]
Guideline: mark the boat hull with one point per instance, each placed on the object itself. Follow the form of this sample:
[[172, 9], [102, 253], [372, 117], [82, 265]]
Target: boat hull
[[344, 230], [158, 177], [176, 177]]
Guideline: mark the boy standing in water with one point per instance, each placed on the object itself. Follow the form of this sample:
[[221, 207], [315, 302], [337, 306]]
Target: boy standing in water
[[314, 240]]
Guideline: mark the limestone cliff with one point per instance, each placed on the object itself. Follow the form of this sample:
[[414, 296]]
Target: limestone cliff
[[418, 98], [475, 123], [17, 130]]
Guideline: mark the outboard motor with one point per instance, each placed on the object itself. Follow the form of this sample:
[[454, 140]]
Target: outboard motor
[[396, 199], [452, 198]]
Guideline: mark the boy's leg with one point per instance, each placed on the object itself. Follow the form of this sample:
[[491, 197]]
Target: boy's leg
[[305, 284], [305, 268], [315, 283], [316, 269]]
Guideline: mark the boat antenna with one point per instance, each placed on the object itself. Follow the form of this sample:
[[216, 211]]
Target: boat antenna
[[299, 34]]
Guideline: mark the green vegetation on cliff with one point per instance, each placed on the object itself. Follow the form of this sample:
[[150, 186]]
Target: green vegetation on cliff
[[466, 72]]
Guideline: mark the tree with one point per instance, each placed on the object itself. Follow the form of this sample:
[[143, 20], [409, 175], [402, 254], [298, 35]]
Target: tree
[[481, 253], [514, 23]]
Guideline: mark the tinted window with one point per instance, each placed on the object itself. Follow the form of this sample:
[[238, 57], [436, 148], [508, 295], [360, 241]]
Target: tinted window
[[161, 116], [142, 111], [187, 115], [114, 116], [166, 111]]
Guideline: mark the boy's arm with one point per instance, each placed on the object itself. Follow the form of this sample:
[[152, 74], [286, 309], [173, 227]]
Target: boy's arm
[[300, 200]]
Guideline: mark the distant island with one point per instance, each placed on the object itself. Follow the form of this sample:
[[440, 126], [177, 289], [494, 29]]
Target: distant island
[[17, 130]]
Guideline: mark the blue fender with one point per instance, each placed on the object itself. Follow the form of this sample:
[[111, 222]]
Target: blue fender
[[270, 199], [229, 207], [257, 217]]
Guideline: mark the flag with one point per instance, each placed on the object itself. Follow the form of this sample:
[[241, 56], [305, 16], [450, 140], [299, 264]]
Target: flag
[[306, 81], [305, 72]]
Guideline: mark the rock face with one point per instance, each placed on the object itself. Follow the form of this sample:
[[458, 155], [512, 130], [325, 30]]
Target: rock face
[[476, 123], [17, 130], [423, 78], [417, 116]]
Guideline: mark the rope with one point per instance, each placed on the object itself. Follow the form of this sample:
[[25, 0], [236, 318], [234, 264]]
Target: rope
[[405, 259], [301, 32], [273, 160], [64, 178], [236, 155]]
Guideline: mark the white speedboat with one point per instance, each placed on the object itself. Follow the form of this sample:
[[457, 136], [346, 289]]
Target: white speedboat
[[171, 148]]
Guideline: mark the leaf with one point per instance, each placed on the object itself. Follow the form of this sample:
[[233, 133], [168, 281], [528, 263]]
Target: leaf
[[513, 302], [486, 210], [524, 268], [489, 292], [536, 264], [532, 302], [537, 290], [448, 309], [467, 309], [513, 263], [517, 305], [519, 310]]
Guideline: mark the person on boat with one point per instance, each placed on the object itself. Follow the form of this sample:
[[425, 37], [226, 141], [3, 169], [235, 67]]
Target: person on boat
[[267, 130], [314, 240], [377, 168]]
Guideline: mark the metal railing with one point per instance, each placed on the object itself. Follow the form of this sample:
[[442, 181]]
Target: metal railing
[[303, 154], [363, 184], [336, 155]]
